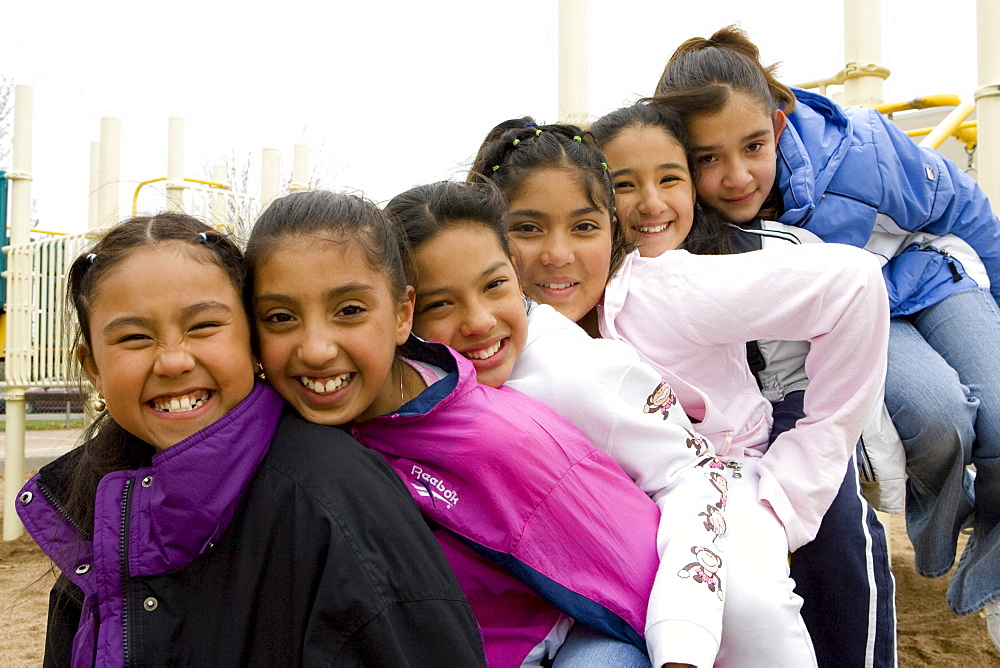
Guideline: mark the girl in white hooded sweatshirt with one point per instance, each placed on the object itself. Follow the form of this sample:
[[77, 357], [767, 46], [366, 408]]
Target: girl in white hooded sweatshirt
[[690, 317]]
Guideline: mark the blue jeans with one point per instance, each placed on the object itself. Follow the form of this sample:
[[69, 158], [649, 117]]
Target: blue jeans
[[586, 647], [943, 393]]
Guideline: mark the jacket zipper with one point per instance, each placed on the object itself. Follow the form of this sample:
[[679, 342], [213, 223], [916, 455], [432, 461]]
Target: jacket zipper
[[865, 463], [955, 276], [58, 506], [123, 564]]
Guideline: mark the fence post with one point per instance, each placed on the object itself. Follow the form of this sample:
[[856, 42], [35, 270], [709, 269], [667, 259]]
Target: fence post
[[270, 176], [107, 186], [175, 165], [300, 169], [18, 315]]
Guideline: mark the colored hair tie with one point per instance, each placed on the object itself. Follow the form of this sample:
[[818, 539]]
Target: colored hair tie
[[577, 138], [538, 132], [516, 142], [528, 125], [203, 238], [91, 257], [496, 167], [605, 166]]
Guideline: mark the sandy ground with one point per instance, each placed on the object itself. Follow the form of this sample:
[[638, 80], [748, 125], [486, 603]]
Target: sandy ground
[[929, 634]]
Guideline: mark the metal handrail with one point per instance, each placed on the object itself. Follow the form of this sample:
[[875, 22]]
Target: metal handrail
[[135, 195]]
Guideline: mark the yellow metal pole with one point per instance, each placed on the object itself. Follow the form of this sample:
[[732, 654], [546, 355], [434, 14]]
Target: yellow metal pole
[[948, 125]]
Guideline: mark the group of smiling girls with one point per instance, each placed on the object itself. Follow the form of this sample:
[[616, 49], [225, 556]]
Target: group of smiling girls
[[481, 427]]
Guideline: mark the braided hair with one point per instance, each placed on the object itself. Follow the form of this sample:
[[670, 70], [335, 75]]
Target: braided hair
[[515, 149]]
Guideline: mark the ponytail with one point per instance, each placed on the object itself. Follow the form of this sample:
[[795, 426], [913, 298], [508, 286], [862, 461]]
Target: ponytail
[[727, 58]]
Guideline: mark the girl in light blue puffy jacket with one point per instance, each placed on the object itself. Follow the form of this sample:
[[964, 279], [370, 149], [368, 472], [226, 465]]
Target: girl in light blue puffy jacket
[[850, 176]]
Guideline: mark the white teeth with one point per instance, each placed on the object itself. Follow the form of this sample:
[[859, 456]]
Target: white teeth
[[179, 405], [486, 353], [654, 230], [321, 387], [556, 286]]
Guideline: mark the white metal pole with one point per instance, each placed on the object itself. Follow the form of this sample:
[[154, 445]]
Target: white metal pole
[[574, 41], [175, 165], [988, 99], [863, 52], [95, 184], [270, 176], [107, 187], [18, 314], [20, 190], [300, 169]]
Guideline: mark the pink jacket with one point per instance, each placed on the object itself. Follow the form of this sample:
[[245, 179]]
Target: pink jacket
[[691, 315], [517, 486]]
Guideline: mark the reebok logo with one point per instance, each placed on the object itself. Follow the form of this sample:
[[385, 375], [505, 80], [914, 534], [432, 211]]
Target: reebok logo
[[433, 488]]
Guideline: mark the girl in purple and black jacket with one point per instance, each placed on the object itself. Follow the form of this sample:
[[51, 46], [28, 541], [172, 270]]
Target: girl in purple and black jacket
[[200, 524]]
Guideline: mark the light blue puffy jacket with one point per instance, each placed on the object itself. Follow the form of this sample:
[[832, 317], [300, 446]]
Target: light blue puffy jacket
[[851, 176]]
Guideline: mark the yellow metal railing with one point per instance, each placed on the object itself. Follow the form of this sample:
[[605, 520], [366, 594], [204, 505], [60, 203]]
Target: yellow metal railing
[[135, 195], [953, 125]]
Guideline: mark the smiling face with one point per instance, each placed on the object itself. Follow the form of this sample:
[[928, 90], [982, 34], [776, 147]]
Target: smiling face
[[735, 155], [469, 299], [328, 326], [563, 242], [653, 189], [169, 343]]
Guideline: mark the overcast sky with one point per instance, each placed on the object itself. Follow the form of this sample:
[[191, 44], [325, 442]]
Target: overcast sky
[[387, 94]]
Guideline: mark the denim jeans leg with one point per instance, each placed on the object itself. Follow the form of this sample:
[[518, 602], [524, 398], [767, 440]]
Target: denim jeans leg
[[965, 330], [587, 647], [935, 417]]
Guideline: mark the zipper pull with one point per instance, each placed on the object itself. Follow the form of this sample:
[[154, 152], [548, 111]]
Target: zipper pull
[[955, 276], [737, 468]]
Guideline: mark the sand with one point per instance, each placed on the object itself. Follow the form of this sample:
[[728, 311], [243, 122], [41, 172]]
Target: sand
[[929, 634]]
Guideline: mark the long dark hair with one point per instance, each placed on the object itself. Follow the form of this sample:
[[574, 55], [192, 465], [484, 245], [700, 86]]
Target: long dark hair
[[710, 234], [420, 213], [334, 218], [516, 148], [107, 446], [728, 59]]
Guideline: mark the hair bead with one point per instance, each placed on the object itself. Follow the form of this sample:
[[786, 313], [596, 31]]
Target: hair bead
[[516, 142], [91, 257], [496, 167], [577, 138]]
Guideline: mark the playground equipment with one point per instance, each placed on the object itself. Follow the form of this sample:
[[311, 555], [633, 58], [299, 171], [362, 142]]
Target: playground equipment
[[36, 353], [38, 331]]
